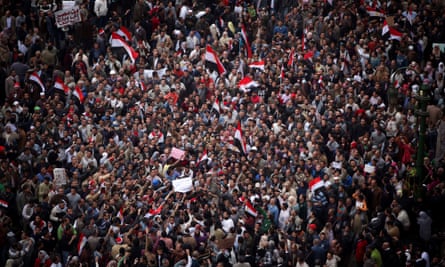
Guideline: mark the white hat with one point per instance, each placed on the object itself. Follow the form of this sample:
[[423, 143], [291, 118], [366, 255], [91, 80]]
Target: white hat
[[15, 103], [112, 72]]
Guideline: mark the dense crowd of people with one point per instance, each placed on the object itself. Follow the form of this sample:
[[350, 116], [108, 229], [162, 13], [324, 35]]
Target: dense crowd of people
[[309, 163]]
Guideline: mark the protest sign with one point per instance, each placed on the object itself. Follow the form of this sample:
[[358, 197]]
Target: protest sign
[[60, 177], [369, 168], [67, 17], [177, 153], [183, 185]]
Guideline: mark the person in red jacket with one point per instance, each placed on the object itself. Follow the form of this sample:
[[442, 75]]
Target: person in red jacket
[[360, 250]]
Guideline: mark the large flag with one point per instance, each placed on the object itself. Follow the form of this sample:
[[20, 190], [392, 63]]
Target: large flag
[[60, 85], [385, 28], [257, 65], [373, 12], [239, 138], [81, 244], [36, 78], [290, 62], [246, 40], [118, 41], [213, 61], [124, 32], [246, 83], [395, 34], [79, 94]]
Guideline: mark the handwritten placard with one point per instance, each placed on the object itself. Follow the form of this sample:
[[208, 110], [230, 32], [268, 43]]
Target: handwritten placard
[[177, 153], [66, 17]]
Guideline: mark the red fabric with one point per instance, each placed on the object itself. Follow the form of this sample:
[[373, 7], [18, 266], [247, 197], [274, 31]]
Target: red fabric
[[38, 263], [407, 151], [360, 250]]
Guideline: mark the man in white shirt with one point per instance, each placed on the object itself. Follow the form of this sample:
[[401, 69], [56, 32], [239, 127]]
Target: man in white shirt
[[227, 222]]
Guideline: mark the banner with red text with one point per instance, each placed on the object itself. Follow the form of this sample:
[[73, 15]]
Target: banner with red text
[[67, 17]]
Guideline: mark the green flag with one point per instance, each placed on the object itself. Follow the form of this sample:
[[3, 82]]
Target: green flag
[[266, 221]]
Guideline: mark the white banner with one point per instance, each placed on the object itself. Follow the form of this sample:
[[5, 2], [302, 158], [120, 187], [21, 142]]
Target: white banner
[[66, 4], [60, 177], [148, 74], [369, 168], [183, 185], [66, 17]]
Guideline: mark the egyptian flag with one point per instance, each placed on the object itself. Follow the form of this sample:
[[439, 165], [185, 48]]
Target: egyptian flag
[[302, 40], [374, 12], [385, 28], [203, 158], [155, 212], [142, 85], [395, 34], [250, 209], [320, 81], [246, 40], [308, 55], [282, 73], [246, 83], [239, 138], [213, 62], [315, 184], [79, 94], [4, 203], [81, 244], [36, 78], [120, 215], [118, 41], [290, 62], [159, 135], [124, 32], [221, 23], [60, 85], [257, 65], [215, 106]]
